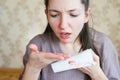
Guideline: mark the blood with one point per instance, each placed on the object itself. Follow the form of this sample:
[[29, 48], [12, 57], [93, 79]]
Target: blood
[[71, 62]]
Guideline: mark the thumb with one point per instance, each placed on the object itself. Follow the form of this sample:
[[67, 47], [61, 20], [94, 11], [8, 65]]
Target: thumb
[[95, 57]]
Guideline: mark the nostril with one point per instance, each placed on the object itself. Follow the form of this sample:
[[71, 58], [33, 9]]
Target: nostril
[[63, 22], [63, 25]]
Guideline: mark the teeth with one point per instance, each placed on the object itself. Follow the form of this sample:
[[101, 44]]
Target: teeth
[[66, 33]]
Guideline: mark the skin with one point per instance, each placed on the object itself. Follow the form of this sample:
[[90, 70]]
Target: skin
[[67, 22], [66, 19], [37, 60]]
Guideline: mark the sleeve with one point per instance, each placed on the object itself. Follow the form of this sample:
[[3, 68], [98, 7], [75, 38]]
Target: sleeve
[[36, 40], [110, 61]]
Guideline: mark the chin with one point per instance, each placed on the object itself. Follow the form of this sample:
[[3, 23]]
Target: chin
[[66, 41]]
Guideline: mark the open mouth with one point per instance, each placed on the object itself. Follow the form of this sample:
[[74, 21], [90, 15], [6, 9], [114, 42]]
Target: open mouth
[[65, 35]]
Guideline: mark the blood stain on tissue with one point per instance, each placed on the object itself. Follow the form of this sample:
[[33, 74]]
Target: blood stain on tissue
[[71, 62]]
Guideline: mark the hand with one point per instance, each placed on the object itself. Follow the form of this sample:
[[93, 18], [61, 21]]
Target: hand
[[41, 59], [94, 71]]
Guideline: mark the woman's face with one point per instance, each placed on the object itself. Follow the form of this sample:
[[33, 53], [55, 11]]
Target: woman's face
[[66, 18]]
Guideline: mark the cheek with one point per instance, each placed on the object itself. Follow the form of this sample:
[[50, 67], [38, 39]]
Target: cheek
[[78, 22], [78, 25], [53, 24]]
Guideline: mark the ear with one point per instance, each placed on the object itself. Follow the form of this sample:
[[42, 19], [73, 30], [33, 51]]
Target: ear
[[46, 12], [87, 15]]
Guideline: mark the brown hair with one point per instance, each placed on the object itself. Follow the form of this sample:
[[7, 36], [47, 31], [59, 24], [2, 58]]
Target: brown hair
[[84, 36]]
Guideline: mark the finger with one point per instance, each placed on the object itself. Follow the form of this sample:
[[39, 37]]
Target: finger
[[63, 54], [85, 69], [82, 69], [66, 55], [34, 48], [95, 57], [54, 56]]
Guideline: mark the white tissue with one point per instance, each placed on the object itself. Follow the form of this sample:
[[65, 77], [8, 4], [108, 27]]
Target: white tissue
[[82, 59]]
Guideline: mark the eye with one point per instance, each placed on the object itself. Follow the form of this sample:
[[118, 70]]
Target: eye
[[55, 15], [74, 15]]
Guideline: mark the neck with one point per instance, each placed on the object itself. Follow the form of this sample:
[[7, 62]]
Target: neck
[[71, 48]]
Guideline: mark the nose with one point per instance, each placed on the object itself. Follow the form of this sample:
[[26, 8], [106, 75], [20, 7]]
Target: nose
[[63, 22]]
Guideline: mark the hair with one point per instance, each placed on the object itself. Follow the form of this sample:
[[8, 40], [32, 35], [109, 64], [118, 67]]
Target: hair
[[84, 36]]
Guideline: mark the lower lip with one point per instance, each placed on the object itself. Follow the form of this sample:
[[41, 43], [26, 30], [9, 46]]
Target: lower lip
[[65, 36]]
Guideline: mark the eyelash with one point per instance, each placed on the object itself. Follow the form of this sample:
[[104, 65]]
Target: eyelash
[[72, 15], [54, 16]]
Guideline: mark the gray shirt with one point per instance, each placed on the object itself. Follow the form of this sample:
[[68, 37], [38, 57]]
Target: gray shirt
[[50, 43]]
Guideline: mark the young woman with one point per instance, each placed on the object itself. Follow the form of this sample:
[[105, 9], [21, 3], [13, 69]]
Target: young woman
[[68, 33]]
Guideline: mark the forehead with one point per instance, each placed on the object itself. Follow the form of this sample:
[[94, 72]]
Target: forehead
[[65, 4]]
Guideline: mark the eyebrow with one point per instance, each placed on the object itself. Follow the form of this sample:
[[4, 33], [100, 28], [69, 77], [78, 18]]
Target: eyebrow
[[53, 10], [59, 11], [72, 10]]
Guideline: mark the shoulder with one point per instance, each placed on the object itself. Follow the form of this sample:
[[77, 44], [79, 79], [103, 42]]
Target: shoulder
[[100, 38], [103, 43], [108, 55], [40, 38], [43, 40]]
